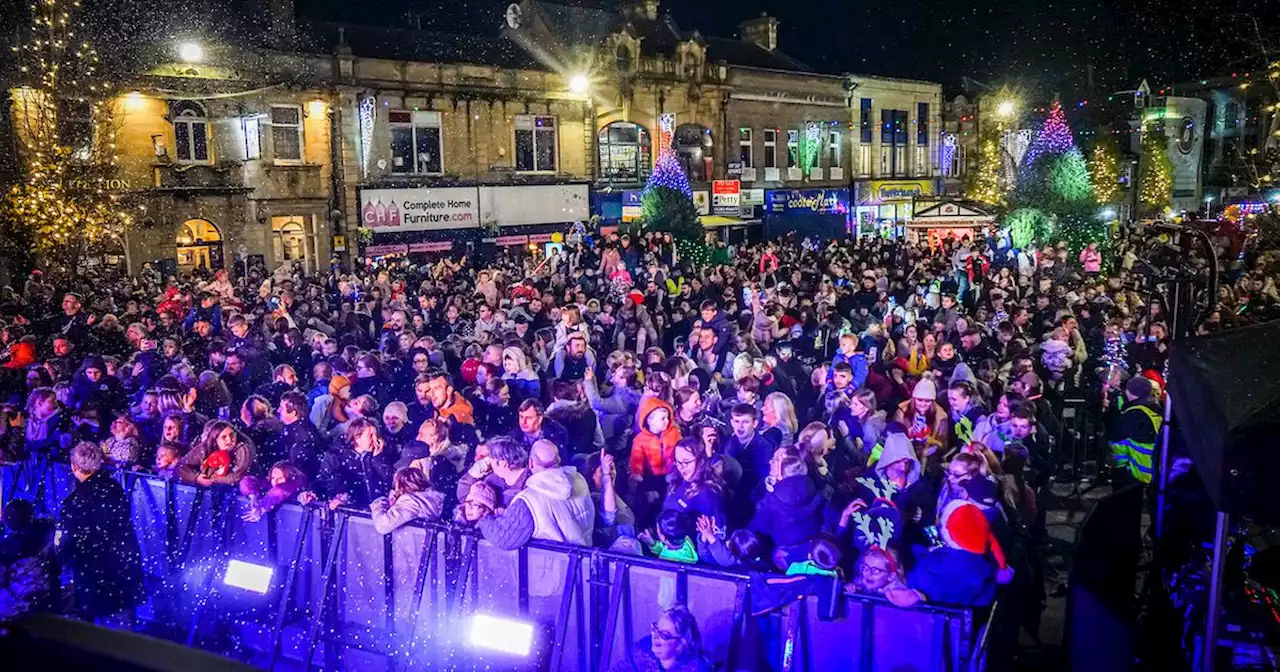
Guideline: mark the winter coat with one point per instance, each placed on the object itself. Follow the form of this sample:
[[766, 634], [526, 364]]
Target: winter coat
[[51, 434], [956, 577], [754, 457], [100, 548], [425, 505], [583, 433], [122, 452], [242, 457], [651, 454], [792, 513], [560, 502], [524, 385], [265, 435], [643, 660], [360, 476], [616, 412], [508, 492], [707, 501], [301, 444]]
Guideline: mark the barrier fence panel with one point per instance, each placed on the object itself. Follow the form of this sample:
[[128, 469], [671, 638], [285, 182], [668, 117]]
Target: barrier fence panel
[[405, 601]]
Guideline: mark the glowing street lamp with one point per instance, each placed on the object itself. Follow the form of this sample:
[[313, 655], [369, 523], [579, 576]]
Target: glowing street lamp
[[190, 52], [579, 84], [1005, 108]]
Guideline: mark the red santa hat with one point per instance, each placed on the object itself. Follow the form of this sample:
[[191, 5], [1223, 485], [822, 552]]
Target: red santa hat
[[963, 526], [469, 368], [636, 296]]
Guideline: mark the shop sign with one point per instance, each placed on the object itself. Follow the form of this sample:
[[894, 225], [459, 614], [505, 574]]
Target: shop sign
[[504, 241], [539, 238], [879, 191], [437, 246], [734, 169], [808, 202], [702, 202], [419, 209], [631, 209], [752, 197], [383, 250], [339, 243], [726, 197]]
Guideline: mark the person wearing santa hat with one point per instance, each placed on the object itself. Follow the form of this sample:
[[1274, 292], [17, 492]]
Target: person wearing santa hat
[[963, 571]]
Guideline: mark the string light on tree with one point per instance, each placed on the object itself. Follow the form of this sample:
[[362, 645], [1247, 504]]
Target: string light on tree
[[1104, 168], [62, 209], [1155, 190]]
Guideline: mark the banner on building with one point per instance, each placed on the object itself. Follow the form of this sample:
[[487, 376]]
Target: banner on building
[[631, 209], [753, 197], [420, 209]]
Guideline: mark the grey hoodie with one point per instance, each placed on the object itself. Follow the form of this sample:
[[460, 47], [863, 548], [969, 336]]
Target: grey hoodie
[[898, 447], [425, 505]]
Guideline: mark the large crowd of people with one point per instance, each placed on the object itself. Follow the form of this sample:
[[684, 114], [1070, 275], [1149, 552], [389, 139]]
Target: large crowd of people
[[876, 410]]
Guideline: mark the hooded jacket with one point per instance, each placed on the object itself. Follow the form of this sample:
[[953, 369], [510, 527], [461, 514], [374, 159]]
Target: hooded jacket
[[425, 505], [792, 513], [651, 454]]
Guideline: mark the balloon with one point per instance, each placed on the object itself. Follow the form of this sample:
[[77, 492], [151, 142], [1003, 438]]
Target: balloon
[[557, 237]]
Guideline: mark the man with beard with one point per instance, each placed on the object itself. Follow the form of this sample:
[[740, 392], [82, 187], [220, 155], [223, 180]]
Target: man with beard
[[572, 362]]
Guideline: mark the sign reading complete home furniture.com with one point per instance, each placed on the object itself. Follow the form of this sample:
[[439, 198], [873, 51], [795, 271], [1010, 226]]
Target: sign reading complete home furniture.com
[[420, 209]]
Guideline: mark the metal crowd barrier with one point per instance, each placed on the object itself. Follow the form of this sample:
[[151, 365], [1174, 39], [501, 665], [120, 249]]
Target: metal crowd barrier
[[345, 597]]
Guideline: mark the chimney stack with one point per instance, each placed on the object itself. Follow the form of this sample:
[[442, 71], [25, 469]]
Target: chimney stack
[[762, 31]]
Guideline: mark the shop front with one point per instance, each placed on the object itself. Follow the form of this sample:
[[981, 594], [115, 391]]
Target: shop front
[[459, 220], [883, 207], [823, 213], [936, 222]]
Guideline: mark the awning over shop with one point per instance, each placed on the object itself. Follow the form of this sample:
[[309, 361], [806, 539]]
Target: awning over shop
[[950, 214], [716, 221]]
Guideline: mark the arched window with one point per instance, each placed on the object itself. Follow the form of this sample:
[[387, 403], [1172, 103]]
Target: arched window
[[190, 132], [199, 245], [625, 150], [693, 148]]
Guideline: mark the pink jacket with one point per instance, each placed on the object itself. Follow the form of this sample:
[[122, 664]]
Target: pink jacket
[[1091, 260]]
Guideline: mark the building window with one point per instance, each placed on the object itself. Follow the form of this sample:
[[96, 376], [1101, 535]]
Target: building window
[[922, 123], [793, 148], [75, 127], [866, 122], [864, 159], [893, 143], [535, 143], [286, 133], [415, 142], [922, 161], [190, 133], [693, 147], [744, 147], [833, 150], [625, 150], [252, 137], [770, 148]]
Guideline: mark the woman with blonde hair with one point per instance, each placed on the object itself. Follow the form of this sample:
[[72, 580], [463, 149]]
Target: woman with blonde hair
[[780, 424], [519, 374]]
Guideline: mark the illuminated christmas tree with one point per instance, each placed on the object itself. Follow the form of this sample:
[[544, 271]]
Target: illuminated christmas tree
[[62, 205], [985, 183], [1155, 178], [1054, 180], [1104, 169], [666, 204]]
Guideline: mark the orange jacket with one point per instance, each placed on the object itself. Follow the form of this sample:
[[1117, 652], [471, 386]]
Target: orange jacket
[[21, 355], [459, 409], [652, 454]]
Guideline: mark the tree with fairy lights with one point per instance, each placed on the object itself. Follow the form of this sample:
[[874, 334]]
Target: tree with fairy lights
[[986, 183], [1155, 171], [1104, 169], [666, 205], [61, 210]]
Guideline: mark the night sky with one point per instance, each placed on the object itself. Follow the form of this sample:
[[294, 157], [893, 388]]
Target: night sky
[[1041, 45]]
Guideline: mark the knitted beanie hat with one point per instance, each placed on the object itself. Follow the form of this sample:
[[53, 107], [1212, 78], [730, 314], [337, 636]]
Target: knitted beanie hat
[[925, 389], [964, 527], [483, 494]]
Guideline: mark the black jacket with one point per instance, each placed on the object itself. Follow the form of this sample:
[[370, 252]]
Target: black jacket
[[301, 444], [100, 547], [580, 426], [362, 477]]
